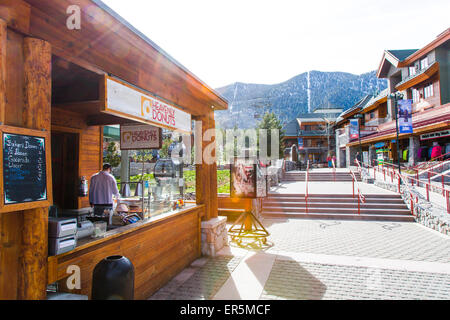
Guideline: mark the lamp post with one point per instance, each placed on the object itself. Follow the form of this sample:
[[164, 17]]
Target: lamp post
[[359, 117], [397, 96]]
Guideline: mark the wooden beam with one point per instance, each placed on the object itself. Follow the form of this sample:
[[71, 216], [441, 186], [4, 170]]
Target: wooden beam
[[3, 32], [17, 14], [202, 183], [213, 206], [36, 114], [37, 94], [107, 120]]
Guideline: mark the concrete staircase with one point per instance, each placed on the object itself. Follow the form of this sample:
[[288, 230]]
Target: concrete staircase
[[319, 176], [336, 206]]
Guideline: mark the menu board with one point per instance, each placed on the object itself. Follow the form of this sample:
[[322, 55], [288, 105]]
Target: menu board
[[24, 168]]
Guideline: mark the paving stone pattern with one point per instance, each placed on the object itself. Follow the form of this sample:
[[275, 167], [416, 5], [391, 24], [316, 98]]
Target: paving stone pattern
[[386, 240], [291, 280], [204, 282]]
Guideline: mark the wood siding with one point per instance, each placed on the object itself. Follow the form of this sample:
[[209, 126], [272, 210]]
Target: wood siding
[[158, 252], [90, 147]]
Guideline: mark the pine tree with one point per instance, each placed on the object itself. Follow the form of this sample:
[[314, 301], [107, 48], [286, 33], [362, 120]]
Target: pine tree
[[270, 121]]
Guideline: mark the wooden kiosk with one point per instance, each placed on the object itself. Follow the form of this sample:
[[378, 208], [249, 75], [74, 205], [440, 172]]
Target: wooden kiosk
[[54, 82]]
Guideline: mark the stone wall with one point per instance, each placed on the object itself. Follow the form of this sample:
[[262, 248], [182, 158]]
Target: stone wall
[[214, 236], [428, 214]]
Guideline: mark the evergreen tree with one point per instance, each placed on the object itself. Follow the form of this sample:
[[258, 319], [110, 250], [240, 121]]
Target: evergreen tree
[[270, 121]]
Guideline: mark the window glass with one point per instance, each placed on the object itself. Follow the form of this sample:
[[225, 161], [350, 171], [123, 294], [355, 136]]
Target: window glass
[[428, 91]]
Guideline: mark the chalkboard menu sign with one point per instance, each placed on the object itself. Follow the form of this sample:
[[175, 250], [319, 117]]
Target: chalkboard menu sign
[[24, 168]]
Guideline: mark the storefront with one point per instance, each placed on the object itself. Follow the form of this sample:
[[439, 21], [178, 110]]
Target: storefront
[[58, 88]]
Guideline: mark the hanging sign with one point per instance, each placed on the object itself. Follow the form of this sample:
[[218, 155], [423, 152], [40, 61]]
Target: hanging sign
[[435, 135], [126, 101], [137, 137], [300, 143], [354, 128], [25, 166], [405, 116]]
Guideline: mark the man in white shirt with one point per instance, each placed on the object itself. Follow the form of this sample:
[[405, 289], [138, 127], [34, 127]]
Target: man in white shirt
[[102, 187]]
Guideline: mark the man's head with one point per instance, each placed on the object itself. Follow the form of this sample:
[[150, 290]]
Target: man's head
[[107, 167]]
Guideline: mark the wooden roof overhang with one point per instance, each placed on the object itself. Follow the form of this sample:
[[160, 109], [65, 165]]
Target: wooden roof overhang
[[107, 45], [374, 105], [440, 40], [427, 74]]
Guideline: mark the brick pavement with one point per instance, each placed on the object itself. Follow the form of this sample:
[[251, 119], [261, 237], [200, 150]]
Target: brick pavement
[[313, 259]]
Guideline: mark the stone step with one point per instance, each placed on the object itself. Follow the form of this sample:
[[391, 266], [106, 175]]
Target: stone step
[[327, 195], [338, 210], [289, 201], [339, 216], [353, 204]]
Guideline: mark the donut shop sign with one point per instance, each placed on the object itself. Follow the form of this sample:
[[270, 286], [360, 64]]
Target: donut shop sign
[[126, 101]]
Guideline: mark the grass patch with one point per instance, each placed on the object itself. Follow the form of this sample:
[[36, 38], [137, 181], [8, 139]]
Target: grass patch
[[223, 180]]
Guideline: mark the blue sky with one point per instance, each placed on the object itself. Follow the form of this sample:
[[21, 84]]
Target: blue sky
[[261, 41]]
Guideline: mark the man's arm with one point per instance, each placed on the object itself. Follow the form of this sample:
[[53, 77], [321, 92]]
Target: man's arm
[[114, 187]]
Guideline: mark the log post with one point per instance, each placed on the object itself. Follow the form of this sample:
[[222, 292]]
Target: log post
[[3, 32], [36, 114], [214, 206], [202, 182]]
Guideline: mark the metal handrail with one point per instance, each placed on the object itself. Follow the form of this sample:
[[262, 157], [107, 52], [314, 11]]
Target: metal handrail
[[334, 170], [429, 173], [413, 181], [306, 186], [419, 166], [361, 198]]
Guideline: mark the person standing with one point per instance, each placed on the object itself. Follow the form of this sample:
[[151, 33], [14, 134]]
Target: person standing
[[102, 188]]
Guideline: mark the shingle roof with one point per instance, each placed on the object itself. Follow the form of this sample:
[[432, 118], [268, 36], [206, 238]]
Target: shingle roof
[[360, 104], [402, 54], [380, 96]]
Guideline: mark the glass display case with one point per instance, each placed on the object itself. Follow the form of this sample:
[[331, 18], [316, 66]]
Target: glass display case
[[146, 199]]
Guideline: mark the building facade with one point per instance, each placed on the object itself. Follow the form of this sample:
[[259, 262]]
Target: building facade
[[419, 75], [312, 134]]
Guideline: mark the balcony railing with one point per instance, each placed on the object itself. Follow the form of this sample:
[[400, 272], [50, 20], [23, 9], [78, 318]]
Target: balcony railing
[[314, 133]]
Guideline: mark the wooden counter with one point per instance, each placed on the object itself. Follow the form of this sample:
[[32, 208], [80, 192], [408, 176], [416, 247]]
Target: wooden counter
[[159, 248]]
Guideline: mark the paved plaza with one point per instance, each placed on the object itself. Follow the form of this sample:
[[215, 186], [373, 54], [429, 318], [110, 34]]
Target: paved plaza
[[312, 259]]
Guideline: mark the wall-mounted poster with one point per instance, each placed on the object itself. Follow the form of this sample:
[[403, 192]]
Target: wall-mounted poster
[[405, 116], [247, 180]]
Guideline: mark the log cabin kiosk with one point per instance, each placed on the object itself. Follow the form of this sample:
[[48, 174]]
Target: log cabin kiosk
[[59, 85]]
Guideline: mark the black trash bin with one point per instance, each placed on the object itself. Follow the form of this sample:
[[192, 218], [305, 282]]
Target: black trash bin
[[113, 279]]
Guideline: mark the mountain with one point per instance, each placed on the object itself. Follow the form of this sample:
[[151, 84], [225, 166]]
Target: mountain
[[307, 91]]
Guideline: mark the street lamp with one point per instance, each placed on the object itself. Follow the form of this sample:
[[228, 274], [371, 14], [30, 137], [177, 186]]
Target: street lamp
[[359, 117], [397, 96]]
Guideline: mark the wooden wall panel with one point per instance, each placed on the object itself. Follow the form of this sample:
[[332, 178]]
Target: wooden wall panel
[[10, 245], [15, 79], [158, 252], [90, 147]]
